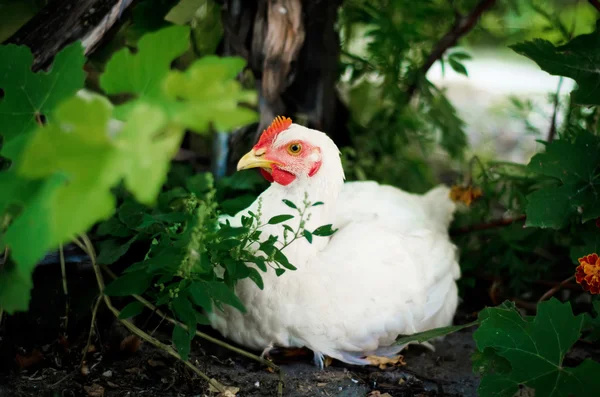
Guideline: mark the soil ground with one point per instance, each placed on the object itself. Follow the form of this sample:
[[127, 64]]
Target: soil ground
[[150, 373]]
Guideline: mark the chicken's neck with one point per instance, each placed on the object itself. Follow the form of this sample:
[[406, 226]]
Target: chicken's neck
[[323, 187]]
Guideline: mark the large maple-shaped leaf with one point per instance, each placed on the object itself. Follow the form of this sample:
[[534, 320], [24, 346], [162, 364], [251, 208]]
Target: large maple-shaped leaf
[[76, 160], [579, 59], [575, 164], [208, 92], [142, 73], [28, 96], [535, 347]]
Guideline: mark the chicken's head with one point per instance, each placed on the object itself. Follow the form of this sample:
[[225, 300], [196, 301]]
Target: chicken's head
[[285, 152]]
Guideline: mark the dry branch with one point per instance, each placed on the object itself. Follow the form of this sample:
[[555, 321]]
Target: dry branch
[[462, 25]]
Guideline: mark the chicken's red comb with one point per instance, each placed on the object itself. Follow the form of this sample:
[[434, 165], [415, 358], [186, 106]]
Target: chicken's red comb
[[278, 125]]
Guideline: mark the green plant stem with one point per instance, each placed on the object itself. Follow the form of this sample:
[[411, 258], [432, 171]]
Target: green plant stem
[[207, 337], [63, 269], [89, 340], [135, 330]]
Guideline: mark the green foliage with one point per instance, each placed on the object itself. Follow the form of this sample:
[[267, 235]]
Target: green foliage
[[576, 166], [577, 59], [535, 348], [196, 257], [63, 178], [30, 97], [393, 132]]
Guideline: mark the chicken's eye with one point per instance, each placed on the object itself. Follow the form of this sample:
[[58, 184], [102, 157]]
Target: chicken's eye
[[294, 148]]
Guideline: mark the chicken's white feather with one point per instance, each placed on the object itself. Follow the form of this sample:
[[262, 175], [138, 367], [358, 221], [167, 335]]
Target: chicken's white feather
[[389, 270]]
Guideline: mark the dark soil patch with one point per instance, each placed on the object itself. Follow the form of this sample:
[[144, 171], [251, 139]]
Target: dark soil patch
[[151, 373]]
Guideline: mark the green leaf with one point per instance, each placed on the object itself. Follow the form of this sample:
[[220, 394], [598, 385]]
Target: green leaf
[[289, 204], [113, 227], [15, 287], [489, 362], [432, 333], [550, 207], [535, 348], [317, 204], [207, 93], [460, 56], [260, 263], [181, 340], [143, 73], [184, 311], [323, 231], [222, 293], [279, 271], [457, 66], [575, 164], [255, 276], [200, 295], [28, 95], [578, 59], [283, 260], [146, 147], [111, 250], [279, 218], [200, 184], [131, 310], [133, 283], [308, 236]]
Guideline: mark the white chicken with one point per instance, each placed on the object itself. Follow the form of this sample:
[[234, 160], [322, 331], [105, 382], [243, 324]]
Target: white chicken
[[389, 270]]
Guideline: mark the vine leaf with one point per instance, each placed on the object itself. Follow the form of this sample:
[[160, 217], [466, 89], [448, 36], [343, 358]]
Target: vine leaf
[[29, 96], [574, 164], [535, 348], [76, 160], [142, 74], [208, 92], [577, 59]]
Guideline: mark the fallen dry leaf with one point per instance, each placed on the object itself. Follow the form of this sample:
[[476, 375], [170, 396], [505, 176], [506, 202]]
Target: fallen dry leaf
[[94, 390], [230, 391], [384, 362], [465, 194], [377, 393], [111, 384], [327, 361], [156, 363], [26, 361], [130, 344]]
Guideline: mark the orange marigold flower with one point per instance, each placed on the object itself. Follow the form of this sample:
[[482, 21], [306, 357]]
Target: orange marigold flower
[[588, 273], [466, 194]]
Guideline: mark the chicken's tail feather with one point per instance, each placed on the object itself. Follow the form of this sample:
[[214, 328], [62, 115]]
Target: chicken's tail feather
[[441, 207]]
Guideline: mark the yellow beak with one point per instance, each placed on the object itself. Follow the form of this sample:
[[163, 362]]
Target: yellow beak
[[251, 160]]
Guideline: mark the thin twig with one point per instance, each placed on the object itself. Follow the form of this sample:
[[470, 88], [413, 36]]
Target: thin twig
[[202, 335], [461, 26], [89, 340], [554, 289], [485, 226], [63, 270], [135, 330], [595, 4]]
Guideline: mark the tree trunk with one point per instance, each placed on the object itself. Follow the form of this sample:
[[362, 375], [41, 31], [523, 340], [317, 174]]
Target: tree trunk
[[62, 22], [293, 50]]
